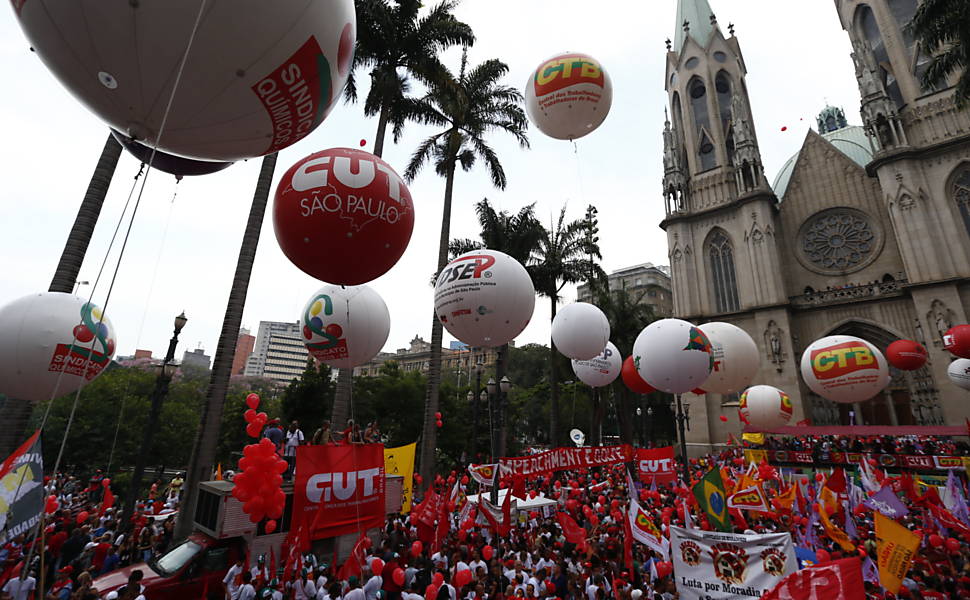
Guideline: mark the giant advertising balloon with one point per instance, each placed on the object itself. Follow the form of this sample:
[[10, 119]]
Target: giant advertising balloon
[[484, 298], [343, 216], [673, 356], [600, 370], [345, 326], [842, 368], [53, 344], [632, 379], [959, 372], [765, 407], [568, 96], [168, 163], [906, 355], [257, 77], [580, 331], [735, 358], [957, 340]]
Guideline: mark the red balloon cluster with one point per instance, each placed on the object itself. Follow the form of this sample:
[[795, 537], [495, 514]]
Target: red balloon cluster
[[631, 378], [437, 420], [254, 422], [957, 340], [906, 355], [257, 484]]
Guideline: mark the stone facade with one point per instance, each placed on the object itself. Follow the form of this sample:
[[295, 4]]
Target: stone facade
[[866, 230]]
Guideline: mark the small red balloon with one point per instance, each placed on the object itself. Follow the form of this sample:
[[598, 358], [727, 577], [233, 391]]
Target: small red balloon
[[488, 552], [906, 355], [822, 556], [957, 340], [343, 216], [363, 143], [398, 576], [416, 548], [632, 380], [438, 424], [270, 526], [723, 419], [935, 540], [784, 128], [698, 391], [82, 517], [252, 401]]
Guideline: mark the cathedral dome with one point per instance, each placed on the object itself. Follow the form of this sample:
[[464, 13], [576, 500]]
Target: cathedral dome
[[851, 141]]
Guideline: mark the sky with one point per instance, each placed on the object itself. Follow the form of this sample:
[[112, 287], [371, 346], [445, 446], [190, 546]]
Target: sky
[[182, 251]]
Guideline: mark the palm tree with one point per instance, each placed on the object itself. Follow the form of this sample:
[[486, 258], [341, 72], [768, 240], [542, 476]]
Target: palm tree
[[207, 439], [942, 31], [467, 107], [566, 254], [396, 45], [518, 236]]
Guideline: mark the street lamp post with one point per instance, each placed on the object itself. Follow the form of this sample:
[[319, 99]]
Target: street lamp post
[[492, 435], [154, 413], [479, 396], [504, 386], [683, 418]]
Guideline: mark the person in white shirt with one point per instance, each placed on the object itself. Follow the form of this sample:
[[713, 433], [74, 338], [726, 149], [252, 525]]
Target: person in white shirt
[[260, 571], [304, 588], [233, 578], [373, 585], [271, 591], [246, 589], [19, 589], [321, 581], [294, 438], [353, 591]]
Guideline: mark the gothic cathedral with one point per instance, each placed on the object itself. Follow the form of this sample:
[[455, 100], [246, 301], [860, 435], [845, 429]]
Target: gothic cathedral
[[865, 231]]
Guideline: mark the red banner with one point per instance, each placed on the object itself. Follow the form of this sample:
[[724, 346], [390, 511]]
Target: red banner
[[339, 489], [656, 464], [560, 459], [918, 462]]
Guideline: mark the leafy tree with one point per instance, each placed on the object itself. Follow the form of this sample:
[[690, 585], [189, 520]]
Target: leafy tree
[[942, 31], [466, 107], [308, 399]]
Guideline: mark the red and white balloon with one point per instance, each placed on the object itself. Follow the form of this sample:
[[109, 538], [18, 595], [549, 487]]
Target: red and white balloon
[[843, 368], [257, 76], [484, 298], [343, 216], [765, 407], [957, 341], [906, 355], [54, 344], [345, 326], [632, 379], [568, 96], [580, 331], [673, 356], [600, 370], [735, 358]]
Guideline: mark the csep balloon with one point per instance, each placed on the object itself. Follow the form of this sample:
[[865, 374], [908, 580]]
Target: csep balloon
[[343, 216], [673, 356], [959, 372], [906, 355], [168, 163], [256, 78], [484, 298], [957, 341], [735, 358], [345, 326], [601, 369], [568, 96], [765, 407], [842, 368], [580, 331], [632, 379], [54, 344]]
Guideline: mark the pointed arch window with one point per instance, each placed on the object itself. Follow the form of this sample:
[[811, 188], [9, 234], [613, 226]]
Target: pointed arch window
[[724, 283], [961, 194], [702, 124]]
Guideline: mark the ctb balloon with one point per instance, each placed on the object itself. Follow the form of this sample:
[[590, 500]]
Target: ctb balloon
[[959, 372], [580, 331], [957, 340], [673, 356], [345, 326], [735, 358], [54, 344], [343, 216], [568, 96], [842, 368], [906, 355], [632, 379], [601, 369], [484, 298], [253, 77], [765, 407]]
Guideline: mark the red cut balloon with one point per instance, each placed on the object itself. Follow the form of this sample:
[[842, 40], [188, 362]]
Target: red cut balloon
[[906, 355], [343, 216], [632, 379], [957, 340]]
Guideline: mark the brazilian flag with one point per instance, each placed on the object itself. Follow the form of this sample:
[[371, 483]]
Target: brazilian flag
[[711, 497]]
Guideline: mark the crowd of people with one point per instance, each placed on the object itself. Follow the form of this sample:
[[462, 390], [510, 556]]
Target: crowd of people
[[537, 559], [875, 444]]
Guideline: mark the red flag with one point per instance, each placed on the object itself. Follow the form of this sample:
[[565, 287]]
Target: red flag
[[8, 463], [627, 544], [352, 566], [493, 513], [947, 519], [836, 482], [835, 580], [444, 525], [573, 532], [107, 501], [518, 486]]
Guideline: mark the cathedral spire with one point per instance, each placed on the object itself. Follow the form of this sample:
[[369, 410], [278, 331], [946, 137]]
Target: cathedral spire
[[694, 19]]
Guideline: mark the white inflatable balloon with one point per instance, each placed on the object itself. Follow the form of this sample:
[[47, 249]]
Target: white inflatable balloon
[[765, 407], [53, 344], [580, 331], [959, 372], [345, 326], [484, 298], [259, 76], [843, 368], [568, 96], [673, 356], [601, 369], [735, 358]]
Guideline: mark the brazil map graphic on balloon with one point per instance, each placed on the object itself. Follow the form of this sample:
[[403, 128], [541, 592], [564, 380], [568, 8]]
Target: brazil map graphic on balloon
[[332, 347]]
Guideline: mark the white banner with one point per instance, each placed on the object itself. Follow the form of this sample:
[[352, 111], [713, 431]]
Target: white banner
[[709, 565]]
